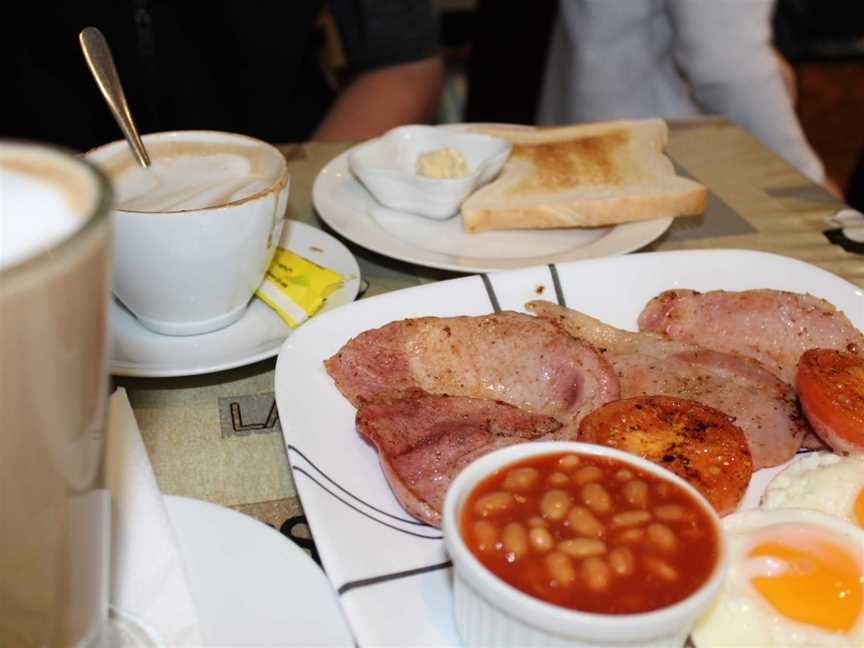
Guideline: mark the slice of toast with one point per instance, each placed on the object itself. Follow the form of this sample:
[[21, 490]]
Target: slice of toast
[[585, 175]]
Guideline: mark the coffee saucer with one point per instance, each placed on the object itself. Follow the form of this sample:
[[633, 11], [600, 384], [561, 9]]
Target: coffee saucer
[[257, 335]]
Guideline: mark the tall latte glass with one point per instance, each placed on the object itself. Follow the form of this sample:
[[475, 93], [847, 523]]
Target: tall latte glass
[[55, 241]]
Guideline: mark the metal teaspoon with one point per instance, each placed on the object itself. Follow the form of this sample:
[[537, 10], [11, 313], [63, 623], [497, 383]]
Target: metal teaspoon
[[101, 64]]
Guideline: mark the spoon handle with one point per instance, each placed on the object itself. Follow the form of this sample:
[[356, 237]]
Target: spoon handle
[[101, 64]]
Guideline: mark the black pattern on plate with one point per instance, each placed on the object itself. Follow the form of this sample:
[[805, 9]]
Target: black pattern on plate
[[556, 282], [493, 298], [374, 580], [376, 513]]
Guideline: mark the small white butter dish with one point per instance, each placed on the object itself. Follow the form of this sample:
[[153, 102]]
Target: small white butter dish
[[387, 167]]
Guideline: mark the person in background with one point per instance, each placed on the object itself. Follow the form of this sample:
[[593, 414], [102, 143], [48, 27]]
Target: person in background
[[675, 59], [248, 67]]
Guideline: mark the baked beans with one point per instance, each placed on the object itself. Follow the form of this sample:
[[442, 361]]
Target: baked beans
[[514, 537], [582, 547], [495, 503], [584, 522], [661, 536], [541, 540], [669, 513], [587, 474], [595, 497], [558, 479], [590, 533], [521, 479], [485, 535], [635, 493], [555, 504], [621, 561]]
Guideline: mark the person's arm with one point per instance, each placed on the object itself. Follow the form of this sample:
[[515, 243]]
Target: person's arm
[[380, 99], [724, 49], [391, 48]]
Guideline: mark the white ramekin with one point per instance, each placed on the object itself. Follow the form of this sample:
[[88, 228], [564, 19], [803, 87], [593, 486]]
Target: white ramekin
[[490, 612], [386, 167]]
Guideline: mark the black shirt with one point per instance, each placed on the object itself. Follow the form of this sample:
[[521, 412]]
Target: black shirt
[[248, 67]]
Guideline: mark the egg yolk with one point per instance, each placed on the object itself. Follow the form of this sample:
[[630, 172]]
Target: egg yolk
[[820, 582], [859, 508]]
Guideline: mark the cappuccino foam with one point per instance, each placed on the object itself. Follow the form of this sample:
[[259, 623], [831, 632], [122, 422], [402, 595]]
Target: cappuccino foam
[[192, 175], [43, 200]]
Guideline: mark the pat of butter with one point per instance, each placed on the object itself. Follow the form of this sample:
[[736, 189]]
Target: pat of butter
[[442, 163], [295, 287]]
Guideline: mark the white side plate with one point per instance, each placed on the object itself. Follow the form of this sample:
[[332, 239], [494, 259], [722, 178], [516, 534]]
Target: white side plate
[[346, 206], [137, 351], [251, 585]]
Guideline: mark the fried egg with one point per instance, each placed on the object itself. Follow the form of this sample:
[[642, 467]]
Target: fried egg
[[796, 578], [822, 481]]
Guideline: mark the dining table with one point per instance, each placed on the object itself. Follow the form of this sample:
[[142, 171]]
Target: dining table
[[217, 437]]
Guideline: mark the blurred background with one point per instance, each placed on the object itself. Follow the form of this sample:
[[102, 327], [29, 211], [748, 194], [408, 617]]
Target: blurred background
[[494, 53], [822, 41]]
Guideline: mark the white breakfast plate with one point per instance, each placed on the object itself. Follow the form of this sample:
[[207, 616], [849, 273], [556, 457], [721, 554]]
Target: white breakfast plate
[[251, 585], [346, 206], [392, 573], [137, 351]]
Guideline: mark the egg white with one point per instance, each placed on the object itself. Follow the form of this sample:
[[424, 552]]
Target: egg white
[[740, 616], [822, 481]]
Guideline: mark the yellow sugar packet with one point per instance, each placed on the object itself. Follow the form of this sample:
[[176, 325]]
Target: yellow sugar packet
[[296, 287]]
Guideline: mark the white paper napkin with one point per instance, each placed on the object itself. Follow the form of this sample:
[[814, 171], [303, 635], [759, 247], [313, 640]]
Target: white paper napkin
[[148, 579]]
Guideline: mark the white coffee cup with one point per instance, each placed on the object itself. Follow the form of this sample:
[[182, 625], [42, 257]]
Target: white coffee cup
[[194, 233]]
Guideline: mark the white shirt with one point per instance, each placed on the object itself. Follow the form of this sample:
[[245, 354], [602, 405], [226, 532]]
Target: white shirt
[[617, 59]]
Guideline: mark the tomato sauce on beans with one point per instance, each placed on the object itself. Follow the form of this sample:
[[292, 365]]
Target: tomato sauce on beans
[[590, 533]]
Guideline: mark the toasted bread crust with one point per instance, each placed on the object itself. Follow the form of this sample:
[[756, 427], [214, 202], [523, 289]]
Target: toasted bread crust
[[585, 213]]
